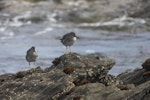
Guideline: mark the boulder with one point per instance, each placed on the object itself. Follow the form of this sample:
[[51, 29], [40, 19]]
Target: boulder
[[75, 77], [146, 64]]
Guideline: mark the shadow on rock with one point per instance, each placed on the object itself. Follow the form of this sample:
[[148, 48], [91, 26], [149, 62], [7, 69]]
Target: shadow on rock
[[74, 77]]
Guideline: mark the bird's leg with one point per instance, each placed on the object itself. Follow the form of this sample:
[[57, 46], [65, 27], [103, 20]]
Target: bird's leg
[[66, 49], [70, 49]]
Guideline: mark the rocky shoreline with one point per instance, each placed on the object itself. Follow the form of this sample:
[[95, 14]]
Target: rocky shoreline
[[76, 77]]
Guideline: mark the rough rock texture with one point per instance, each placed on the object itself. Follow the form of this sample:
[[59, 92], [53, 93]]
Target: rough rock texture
[[85, 65], [146, 64], [75, 77], [37, 85], [137, 77], [141, 79], [141, 9]]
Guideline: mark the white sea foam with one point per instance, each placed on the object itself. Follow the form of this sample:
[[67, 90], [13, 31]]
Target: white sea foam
[[122, 21], [51, 17], [17, 23], [48, 29], [7, 35], [90, 51], [2, 29]]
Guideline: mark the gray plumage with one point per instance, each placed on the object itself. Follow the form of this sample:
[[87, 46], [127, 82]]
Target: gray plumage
[[32, 55], [68, 40]]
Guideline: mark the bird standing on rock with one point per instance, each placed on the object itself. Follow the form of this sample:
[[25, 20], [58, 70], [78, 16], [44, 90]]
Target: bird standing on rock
[[68, 40], [32, 55]]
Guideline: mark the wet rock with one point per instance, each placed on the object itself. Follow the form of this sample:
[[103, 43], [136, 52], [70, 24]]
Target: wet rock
[[141, 9], [146, 75], [138, 76], [135, 77], [38, 86], [86, 69], [98, 91], [146, 65], [85, 65], [92, 91], [75, 77], [2, 5]]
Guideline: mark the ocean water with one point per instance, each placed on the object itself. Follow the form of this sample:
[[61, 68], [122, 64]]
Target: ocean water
[[16, 37]]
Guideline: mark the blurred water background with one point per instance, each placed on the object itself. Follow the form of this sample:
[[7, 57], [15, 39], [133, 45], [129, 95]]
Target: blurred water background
[[105, 28]]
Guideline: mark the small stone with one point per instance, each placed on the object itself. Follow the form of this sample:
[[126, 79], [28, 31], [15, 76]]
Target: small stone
[[56, 61], [77, 97], [20, 74], [76, 82], [68, 70], [2, 80], [124, 87], [97, 57], [85, 81]]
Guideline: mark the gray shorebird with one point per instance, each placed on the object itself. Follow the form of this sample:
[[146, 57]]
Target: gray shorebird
[[68, 40], [32, 55]]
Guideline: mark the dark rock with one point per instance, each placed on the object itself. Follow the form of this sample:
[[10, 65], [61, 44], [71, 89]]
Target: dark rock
[[136, 77], [126, 87], [53, 84], [1, 6], [146, 75], [85, 65], [141, 9], [86, 69], [6, 77], [81, 81], [146, 65], [85, 81], [68, 70], [56, 61], [20, 74], [98, 91], [92, 91], [77, 97], [85, 78]]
